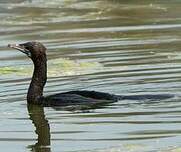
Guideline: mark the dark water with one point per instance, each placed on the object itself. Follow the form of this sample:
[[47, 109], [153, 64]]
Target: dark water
[[121, 47]]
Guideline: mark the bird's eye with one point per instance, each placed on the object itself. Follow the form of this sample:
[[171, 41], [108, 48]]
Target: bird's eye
[[27, 47]]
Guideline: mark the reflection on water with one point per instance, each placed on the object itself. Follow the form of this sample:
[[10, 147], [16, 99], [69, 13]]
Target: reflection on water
[[37, 116], [121, 47]]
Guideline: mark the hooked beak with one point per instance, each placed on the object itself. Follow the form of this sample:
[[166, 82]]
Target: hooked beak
[[21, 48]]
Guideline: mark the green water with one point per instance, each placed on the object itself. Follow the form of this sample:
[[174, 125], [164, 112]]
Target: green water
[[116, 46]]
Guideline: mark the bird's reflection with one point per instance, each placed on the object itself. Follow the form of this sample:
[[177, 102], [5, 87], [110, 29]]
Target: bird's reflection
[[42, 128]]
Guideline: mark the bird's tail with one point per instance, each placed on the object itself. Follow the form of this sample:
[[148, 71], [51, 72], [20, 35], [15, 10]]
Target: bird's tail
[[145, 97]]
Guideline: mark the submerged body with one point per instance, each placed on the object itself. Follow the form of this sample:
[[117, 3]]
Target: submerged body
[[79, 98], [91, 98], [37, 52]]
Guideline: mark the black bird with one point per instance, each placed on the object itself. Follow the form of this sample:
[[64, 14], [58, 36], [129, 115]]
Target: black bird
[[37, 52]]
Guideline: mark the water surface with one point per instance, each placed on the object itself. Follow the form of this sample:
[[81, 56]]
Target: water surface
[[121, 47]]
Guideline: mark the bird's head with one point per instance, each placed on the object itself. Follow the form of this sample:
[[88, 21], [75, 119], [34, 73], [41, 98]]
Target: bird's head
[[33, 50]]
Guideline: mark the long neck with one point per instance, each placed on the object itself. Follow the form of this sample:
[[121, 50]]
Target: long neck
[[35, 91]]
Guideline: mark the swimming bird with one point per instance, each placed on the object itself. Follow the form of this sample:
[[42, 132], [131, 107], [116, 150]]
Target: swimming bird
[[36, 51]]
